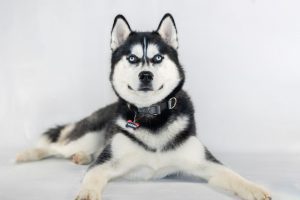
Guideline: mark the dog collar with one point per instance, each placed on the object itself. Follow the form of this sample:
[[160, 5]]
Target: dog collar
[[155, 109]]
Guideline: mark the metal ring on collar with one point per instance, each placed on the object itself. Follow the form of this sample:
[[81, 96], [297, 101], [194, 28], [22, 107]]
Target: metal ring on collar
[[172, 103]]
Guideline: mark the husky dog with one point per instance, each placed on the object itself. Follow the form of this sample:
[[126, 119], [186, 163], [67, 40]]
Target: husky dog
[[150, 131]]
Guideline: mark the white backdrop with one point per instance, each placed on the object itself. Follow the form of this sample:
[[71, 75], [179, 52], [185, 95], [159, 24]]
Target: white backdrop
[[241, 58], [243, 73]]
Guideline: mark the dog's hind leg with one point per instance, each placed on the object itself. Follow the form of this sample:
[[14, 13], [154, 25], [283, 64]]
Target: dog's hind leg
[[76, 141], [33, 154], [44, 147]]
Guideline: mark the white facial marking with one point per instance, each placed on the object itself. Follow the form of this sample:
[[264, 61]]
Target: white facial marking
[[152, 50], [137, 50]]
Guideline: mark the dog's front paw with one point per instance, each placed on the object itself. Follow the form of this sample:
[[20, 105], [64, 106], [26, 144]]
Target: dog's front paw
[[255, 192], [88, 194]]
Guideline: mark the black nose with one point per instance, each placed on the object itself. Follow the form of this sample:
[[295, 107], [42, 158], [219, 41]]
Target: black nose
[[146, 76]]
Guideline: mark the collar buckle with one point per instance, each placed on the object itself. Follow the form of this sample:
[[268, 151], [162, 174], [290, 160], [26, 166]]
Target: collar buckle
[[153, 110]]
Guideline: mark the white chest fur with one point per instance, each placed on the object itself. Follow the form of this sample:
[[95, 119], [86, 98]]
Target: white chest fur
[[155, 165]]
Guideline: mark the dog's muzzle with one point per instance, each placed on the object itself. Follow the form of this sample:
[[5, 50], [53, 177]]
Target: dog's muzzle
[[146, 78]]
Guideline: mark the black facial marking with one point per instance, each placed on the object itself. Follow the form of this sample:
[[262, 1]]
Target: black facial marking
[[145, 46], [210, 157], [53, 133], [129, 87], [161, 87], [104, 156]]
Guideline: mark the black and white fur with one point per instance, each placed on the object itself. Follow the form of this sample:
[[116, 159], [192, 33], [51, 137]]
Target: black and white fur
[[145, 70]]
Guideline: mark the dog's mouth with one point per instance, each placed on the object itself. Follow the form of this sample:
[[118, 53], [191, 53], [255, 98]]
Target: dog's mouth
[[145, 88]]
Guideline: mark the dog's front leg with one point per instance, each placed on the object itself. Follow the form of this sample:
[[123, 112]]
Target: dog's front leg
[[116, 159], [222, 177], [196, 160], [94, 182]]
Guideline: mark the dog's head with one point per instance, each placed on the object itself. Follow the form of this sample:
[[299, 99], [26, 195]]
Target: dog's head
[[145, 67]]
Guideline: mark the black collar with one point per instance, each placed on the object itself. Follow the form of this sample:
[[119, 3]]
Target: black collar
[[155, 109]]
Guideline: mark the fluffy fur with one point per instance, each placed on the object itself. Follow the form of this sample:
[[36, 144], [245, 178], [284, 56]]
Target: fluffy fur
[[145, 72]]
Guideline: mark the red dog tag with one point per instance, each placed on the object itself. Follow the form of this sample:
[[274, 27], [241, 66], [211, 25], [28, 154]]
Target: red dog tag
[[131, 124]]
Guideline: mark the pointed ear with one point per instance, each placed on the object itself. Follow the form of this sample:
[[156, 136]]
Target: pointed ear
[[167, 30], [120, 32]]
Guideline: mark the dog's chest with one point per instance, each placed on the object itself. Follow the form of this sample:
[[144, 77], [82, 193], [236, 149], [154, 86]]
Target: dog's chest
[[156, 165], [159, 138]]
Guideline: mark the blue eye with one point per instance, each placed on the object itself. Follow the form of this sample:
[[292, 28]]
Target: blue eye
[[157, 58], [133, 59]]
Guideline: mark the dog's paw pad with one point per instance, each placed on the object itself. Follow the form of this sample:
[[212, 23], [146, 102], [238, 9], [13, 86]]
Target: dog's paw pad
[[81, 158]]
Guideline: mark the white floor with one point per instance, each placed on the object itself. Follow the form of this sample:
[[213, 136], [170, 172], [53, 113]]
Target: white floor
[[60, 179]]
